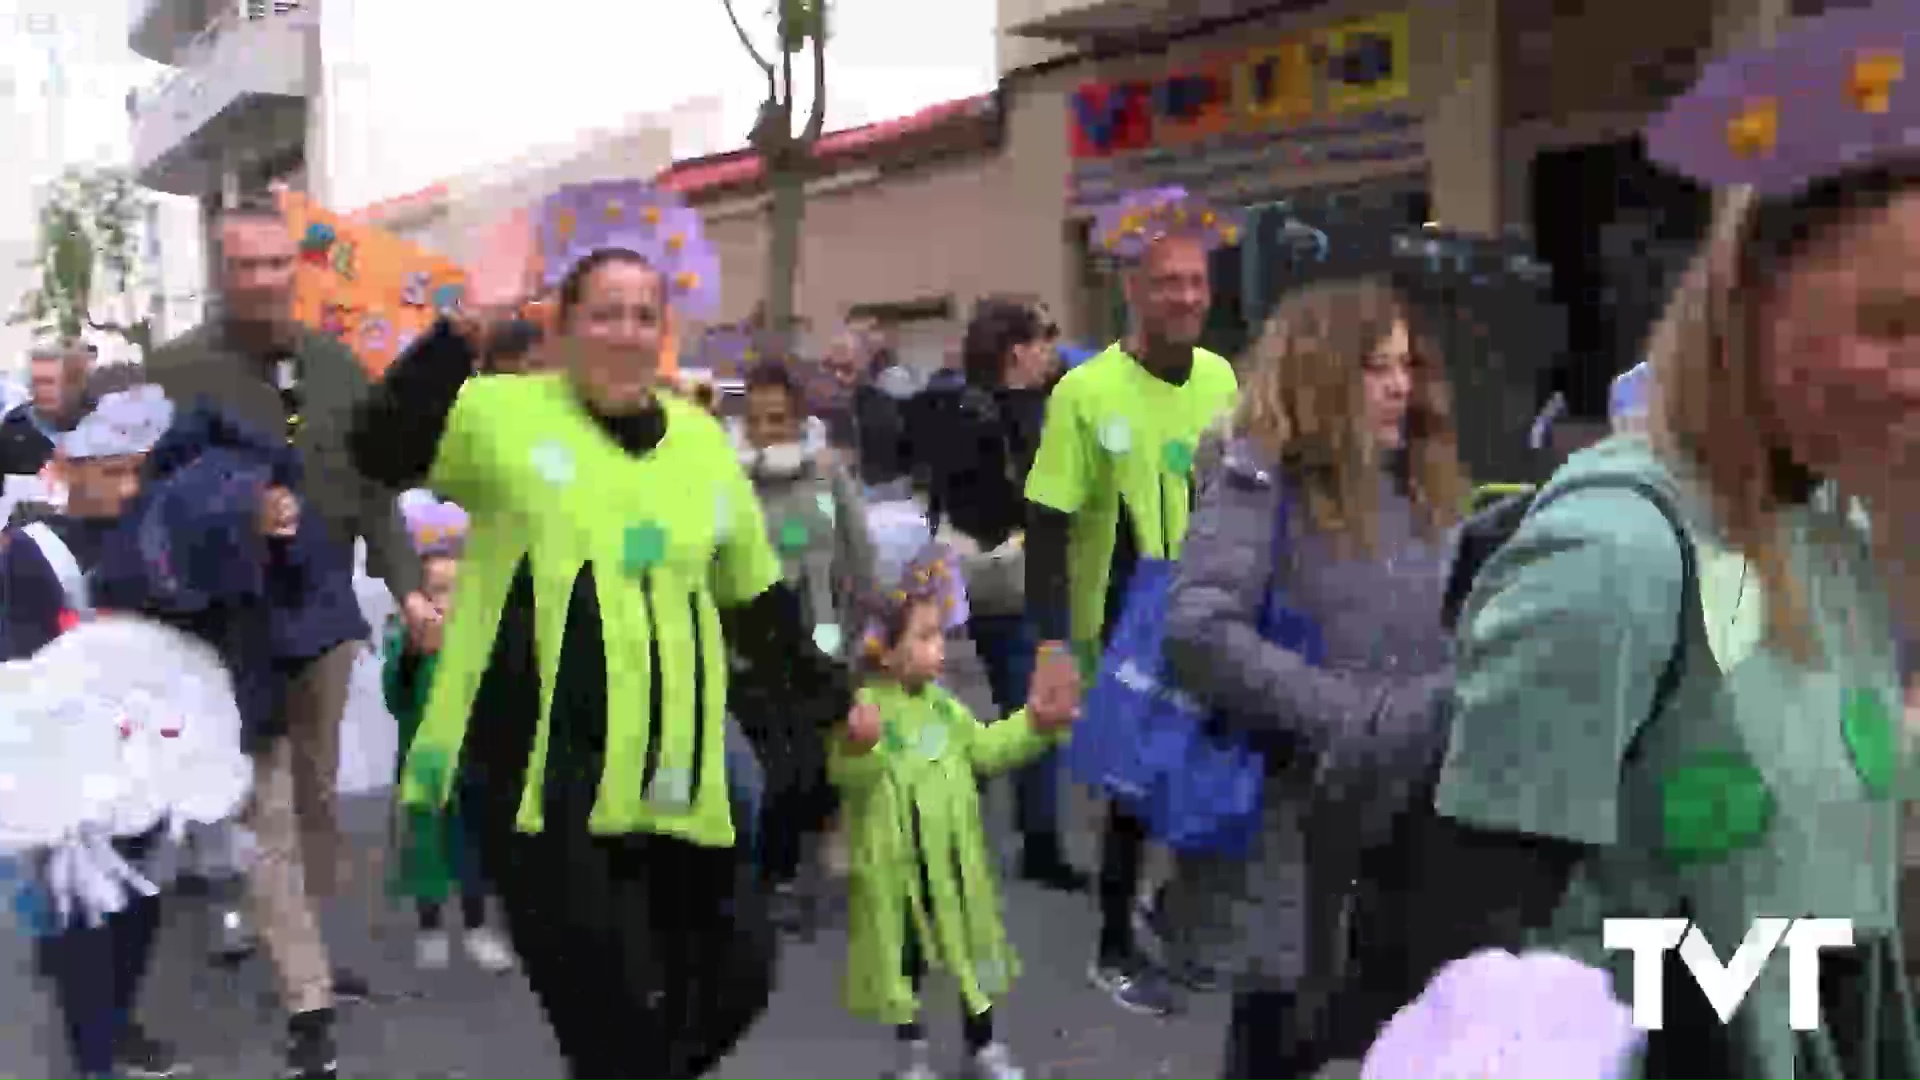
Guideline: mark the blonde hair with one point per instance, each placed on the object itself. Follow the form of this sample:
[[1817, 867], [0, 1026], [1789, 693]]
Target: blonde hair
[[1711, 407], [1305, 399]]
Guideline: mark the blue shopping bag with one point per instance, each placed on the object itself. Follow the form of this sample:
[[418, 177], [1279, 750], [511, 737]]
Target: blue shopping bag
[[1154, 747], [1130, 697]]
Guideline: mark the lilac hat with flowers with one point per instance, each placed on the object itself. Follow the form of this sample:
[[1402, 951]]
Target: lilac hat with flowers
[[933, 575], [1497, 1016], [1832, 93], [636, 216], [437, 528], [1128, 227]]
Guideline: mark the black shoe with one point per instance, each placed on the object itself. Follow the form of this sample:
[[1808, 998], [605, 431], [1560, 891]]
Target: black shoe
[[142, 1057], [1042, 863], [793, 911], [1135, 985], [349, 987], [310, 1046]]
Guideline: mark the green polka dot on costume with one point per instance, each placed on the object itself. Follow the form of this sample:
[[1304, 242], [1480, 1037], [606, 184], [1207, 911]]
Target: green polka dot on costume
[[645, 547], [671, 788], [554, 463], [1116, 437], [793, 537], [428, 767], [1178, 457], [933, 742], [1714, 804], [1868, 728], [828, 637]]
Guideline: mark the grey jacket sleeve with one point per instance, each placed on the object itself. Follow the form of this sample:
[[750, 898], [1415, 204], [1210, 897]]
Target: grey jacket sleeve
[[853, 562], [1354, 723]]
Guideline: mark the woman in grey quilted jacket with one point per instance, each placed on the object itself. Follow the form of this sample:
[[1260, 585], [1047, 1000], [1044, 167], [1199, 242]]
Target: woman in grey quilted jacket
[[1343, 439]]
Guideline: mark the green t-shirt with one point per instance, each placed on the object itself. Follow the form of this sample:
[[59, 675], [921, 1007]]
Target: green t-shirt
[[1115, 434], [674, 535], [1764, 787]]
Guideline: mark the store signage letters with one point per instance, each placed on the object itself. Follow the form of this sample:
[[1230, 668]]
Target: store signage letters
[[1357, 65]]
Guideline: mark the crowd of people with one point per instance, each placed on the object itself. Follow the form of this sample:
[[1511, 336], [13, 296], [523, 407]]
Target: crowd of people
[[655, 656]]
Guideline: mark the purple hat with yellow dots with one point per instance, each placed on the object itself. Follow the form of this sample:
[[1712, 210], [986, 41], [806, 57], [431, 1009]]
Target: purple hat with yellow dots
[[632, 215], [1831, 93], [436, 528], [1126, 228], [932, 576]]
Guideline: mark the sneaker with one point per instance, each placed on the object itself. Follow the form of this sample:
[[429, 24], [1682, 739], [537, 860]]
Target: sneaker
[[350, 987], [310, 1046], [1147, 992], [994, 1062], [488, 950], [791, 910], [144, 1057], [1152, 928], [916, 1062], [233, 938], [1107, 976], [432, 951]]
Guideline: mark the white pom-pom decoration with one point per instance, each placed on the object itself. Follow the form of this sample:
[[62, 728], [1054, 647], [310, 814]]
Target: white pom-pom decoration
[[116, 726]]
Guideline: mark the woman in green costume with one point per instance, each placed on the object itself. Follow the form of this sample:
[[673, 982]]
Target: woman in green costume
[[1677, 689], [615, 563], [922, 891]]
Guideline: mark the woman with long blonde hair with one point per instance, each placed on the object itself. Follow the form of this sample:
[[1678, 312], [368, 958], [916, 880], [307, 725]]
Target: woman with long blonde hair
[[1330, 498], [1678, 692]]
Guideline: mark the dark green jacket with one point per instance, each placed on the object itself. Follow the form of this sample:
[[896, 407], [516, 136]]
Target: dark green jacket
[[200, 363]]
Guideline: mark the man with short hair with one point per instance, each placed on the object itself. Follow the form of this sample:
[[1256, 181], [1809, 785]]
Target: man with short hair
[[57, 374], [262, 367], [1111, 484]]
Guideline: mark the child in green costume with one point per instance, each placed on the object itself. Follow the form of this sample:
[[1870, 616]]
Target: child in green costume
[[436, 851], [922, 888]]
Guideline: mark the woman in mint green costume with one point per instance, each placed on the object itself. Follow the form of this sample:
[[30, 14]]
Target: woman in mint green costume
[[922, 890], [1698, 718]]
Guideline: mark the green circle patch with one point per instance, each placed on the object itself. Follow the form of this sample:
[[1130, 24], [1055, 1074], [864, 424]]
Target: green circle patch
[[1178, 456], [1714, 804], [793, 537], [645, 547], [1868, 727]]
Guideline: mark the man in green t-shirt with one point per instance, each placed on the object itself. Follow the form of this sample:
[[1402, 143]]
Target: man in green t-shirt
[[1112, 484]]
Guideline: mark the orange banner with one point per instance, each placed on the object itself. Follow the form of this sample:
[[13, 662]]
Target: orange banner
[[372, 290]]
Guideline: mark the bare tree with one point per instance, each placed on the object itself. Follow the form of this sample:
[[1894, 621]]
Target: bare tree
[[800, 26], [88, 249]]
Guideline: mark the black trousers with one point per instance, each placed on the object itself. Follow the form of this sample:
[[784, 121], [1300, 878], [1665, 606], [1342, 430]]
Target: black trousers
[[96, 972], [1123, 850], [976, 1030], [650, 956]]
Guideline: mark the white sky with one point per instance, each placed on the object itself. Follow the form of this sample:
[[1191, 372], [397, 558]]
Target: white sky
[[430, 88], [457, 85]]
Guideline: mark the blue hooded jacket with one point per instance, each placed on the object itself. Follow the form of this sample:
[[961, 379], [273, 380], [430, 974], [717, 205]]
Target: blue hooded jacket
[[188, 550]]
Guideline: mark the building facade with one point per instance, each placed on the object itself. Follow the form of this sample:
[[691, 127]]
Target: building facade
[[1486, 147]]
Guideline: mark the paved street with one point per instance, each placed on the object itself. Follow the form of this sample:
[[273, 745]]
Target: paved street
[[463, 1024]]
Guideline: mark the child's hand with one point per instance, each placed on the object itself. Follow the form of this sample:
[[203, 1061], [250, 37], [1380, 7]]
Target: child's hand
[[1053, 695], [864, 726], [279, 513]]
